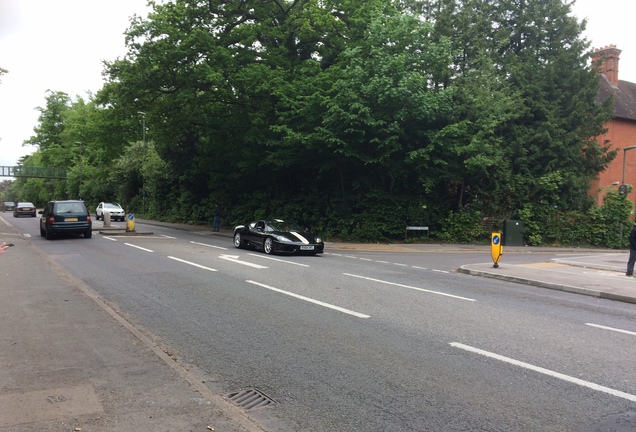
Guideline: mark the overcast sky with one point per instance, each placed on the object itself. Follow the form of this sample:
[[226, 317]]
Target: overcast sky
[[59, 45]]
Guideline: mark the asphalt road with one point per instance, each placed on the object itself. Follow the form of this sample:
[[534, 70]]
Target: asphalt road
[[366, 341]]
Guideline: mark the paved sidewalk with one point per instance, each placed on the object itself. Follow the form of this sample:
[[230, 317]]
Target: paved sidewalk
[[599, 275], [69, 362]]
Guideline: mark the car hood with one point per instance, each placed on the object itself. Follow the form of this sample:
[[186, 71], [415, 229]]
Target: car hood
[[297, 236]]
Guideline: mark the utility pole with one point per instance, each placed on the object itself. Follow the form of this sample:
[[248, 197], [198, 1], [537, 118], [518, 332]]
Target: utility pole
[[622, 188]]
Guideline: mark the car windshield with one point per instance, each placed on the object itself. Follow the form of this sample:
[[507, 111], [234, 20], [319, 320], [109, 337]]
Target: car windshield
[[284, 226], [112, 206]]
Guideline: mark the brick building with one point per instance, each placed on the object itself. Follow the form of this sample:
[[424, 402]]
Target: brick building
[[621, 130]]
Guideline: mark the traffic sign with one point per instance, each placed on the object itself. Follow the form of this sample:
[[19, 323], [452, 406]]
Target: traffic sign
[[496, 248]]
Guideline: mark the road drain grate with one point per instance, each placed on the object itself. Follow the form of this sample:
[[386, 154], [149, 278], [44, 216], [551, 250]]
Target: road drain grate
[[251, 398]]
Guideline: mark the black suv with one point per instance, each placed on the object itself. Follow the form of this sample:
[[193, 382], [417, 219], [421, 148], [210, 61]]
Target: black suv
[[65, 217]]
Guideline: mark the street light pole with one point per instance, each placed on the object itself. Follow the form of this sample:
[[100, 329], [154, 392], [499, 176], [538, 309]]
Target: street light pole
[[624, 160], [625, 149]]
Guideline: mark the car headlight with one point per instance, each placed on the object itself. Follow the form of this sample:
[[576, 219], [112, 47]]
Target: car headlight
[[318, 240]]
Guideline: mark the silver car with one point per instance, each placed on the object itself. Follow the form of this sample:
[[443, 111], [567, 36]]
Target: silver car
[[114, 209]]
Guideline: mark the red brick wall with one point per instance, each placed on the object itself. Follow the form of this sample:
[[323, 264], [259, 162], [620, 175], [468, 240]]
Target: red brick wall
[[621, 134]]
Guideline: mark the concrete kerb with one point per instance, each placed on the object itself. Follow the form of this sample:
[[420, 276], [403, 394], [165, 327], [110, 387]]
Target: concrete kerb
[[595, 266], [534, 282], [112, 230], [123, 232]]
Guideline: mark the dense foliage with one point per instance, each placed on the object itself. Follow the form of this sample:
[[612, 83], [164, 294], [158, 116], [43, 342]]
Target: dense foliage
[[356, 118]]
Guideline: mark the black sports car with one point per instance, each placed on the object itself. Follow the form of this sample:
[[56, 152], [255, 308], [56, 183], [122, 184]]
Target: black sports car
[[275, 235]]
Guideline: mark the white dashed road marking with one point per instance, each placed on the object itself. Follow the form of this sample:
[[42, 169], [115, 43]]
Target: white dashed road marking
[[409, 287], [611, 329], [138, 247], [192, 264], [318, 302], [279, 260], [548, 372]]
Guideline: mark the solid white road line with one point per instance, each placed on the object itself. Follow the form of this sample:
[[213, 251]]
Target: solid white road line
[[611, 328], [279, 260], [109, 238], [167, 236], [208, 245], [409, 287], [548, 372], [318, 302], [138, 247], [192, 264], [440, 271]]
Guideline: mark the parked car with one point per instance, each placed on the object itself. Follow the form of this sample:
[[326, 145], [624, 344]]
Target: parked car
[[277, 236], [24, 209], [115, 210], [65, 217], [8, 206]]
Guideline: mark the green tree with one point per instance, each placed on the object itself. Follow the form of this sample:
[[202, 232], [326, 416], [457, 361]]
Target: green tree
[[525, 105]]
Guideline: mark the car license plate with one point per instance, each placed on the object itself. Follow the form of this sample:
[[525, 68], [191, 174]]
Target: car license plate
[[70, 220], [306, 248]]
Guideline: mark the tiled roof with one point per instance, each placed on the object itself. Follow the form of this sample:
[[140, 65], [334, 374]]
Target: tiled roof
[[624, 97]]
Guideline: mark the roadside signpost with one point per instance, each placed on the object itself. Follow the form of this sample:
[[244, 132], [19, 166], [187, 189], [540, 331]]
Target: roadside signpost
[[130, 223], [496, 248]]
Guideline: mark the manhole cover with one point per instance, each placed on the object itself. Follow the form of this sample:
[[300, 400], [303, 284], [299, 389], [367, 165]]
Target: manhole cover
[[250, 398]]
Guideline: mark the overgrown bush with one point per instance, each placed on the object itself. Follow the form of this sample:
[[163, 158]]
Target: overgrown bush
[[609, 225], [464, 227]]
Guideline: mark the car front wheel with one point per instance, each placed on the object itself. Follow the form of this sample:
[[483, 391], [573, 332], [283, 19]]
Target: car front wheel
[[238, 242], [268, 245], [96, 216]]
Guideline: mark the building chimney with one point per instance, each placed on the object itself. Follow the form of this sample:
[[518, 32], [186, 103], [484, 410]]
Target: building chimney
[[607, 58]]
